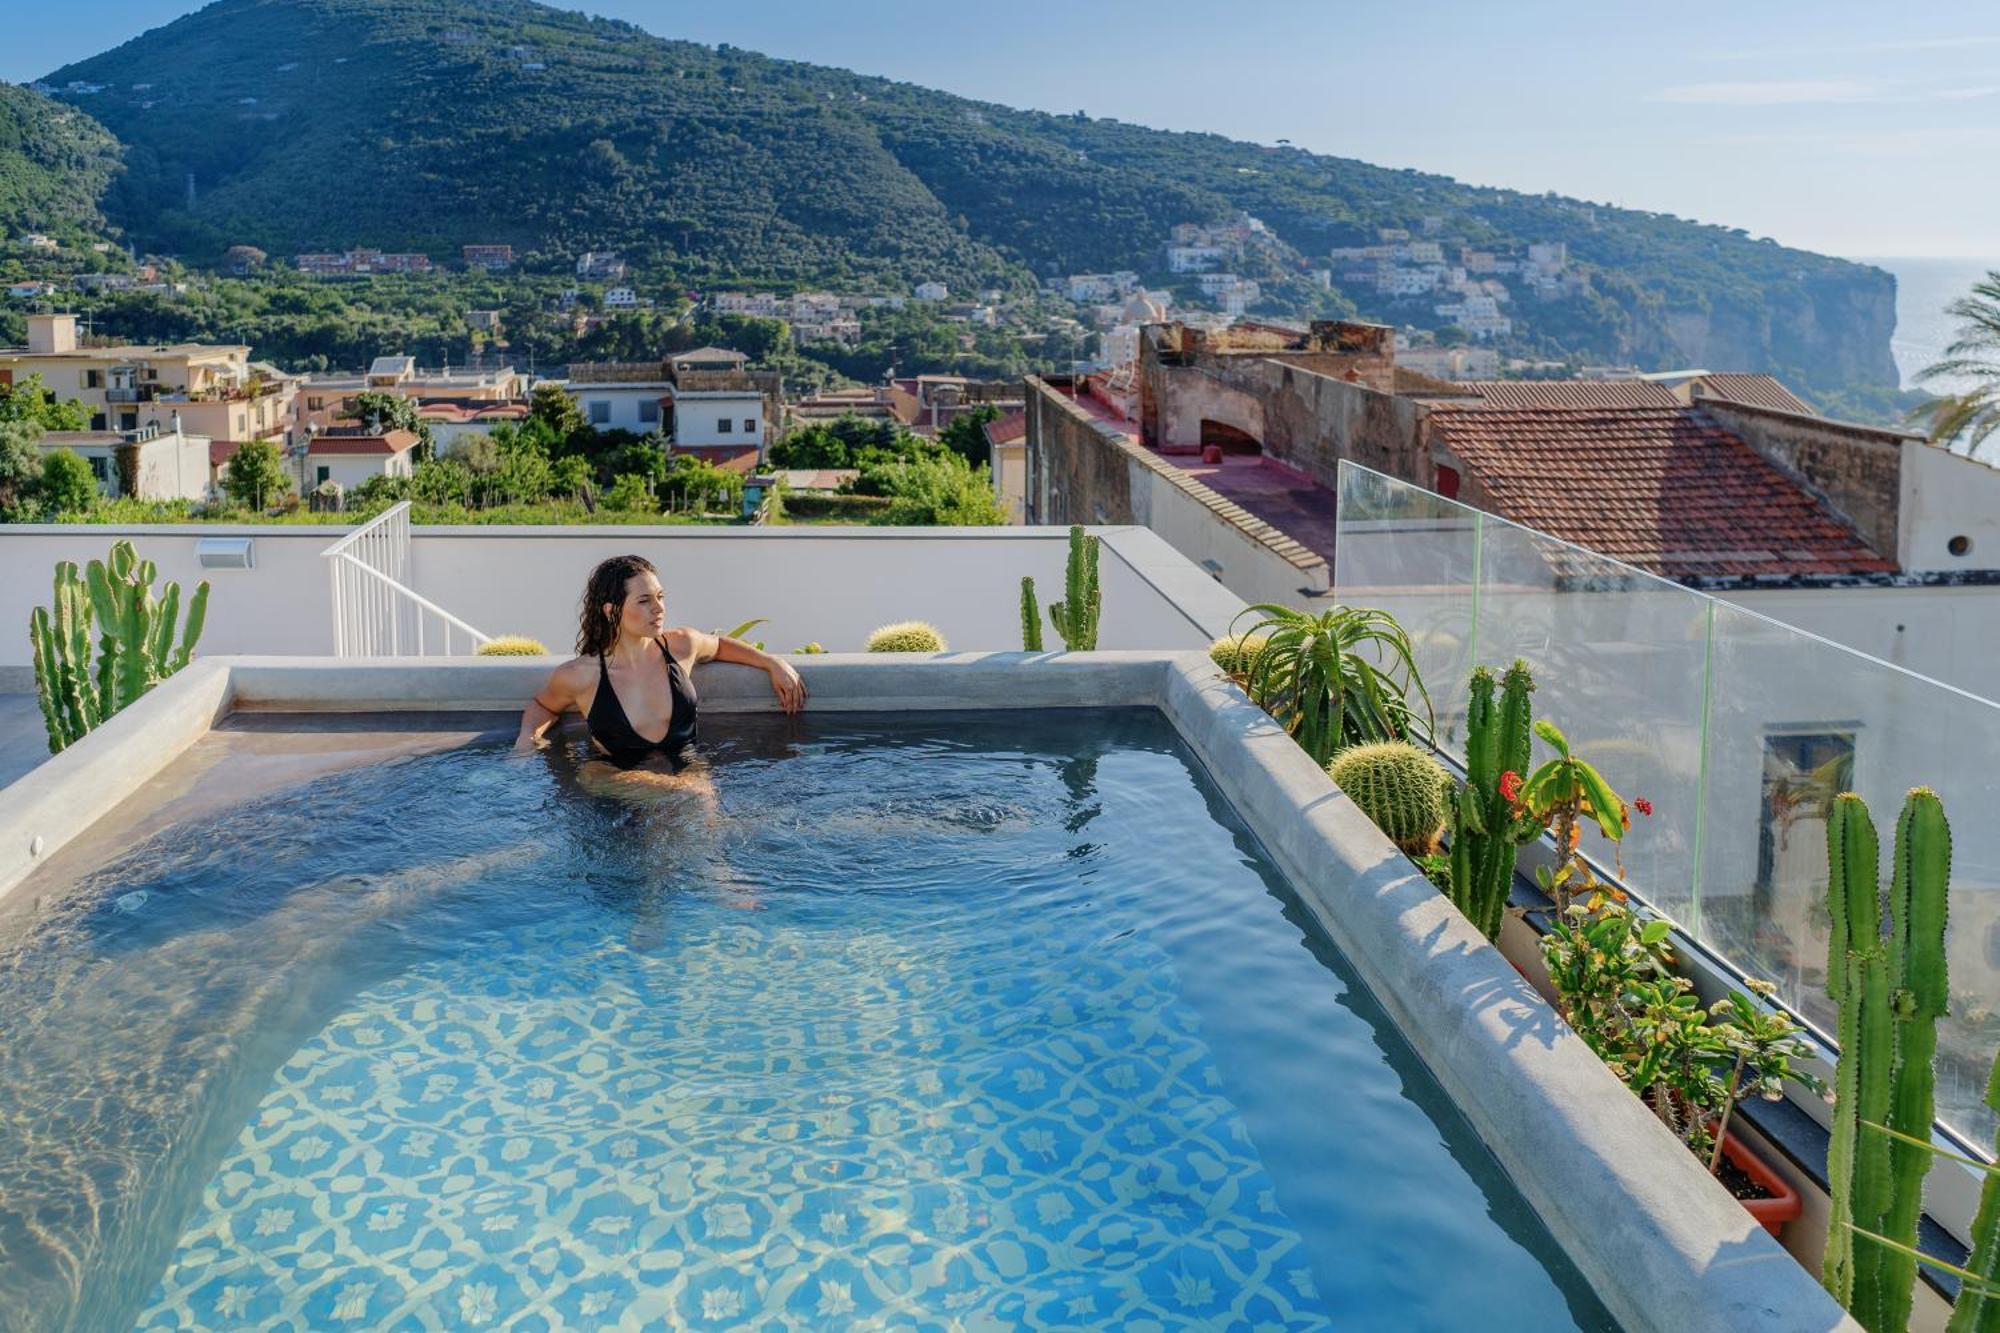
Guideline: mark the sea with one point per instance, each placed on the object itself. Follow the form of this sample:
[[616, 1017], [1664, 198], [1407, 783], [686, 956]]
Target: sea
[[1924, 287]]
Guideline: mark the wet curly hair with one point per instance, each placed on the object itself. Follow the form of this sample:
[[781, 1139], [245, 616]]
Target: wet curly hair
[[596, 631]]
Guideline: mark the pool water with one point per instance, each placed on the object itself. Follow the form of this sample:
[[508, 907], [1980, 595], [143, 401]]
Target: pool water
[[973, 1021]]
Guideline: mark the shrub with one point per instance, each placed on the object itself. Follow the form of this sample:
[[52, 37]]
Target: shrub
[[256, 477], [908, 636], [512, 645], [633, 494], [1401, 788], [1237, 654], [821, 504], [67, 486]]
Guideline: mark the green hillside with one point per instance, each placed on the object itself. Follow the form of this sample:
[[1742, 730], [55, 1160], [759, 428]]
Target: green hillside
[[428, 124], [55, 163]]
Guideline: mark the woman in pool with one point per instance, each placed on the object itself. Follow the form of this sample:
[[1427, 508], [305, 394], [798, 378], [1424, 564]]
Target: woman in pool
[[631, 678]]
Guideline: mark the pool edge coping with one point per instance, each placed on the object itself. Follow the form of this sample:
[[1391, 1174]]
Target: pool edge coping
[[1664, 1246]]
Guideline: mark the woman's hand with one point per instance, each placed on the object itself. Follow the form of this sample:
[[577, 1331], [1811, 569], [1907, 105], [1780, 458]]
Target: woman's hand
[[785, 683]]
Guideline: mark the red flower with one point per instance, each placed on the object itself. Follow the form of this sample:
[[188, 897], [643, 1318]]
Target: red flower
[[1643, 806], [1510, 786]]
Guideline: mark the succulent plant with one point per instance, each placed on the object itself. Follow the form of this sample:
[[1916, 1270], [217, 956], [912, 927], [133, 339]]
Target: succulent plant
[[1075, 617], [512, 645], [1404, 790], [1891, 991], [1237, 654], [1031, 618], [907, 636]]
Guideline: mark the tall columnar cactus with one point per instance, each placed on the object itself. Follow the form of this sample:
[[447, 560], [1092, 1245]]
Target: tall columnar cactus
[[1075, 616], [1402, 789], [135, 644], [1891, 993], [1031, 618], [1976, 1311], [1483, 841]]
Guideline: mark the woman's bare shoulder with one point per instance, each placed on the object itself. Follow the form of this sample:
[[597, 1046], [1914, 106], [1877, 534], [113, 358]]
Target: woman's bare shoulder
[[572, 677], [688, 644]]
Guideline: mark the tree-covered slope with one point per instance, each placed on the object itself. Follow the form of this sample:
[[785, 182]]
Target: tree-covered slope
[[427, 124], [55, 163]]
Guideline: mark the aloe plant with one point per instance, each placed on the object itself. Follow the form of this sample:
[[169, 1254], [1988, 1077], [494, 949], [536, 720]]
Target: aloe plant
[[1337, 678], [1890, 993]]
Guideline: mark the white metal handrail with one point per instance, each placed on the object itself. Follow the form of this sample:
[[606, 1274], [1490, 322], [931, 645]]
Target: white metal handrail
[[375, 611]]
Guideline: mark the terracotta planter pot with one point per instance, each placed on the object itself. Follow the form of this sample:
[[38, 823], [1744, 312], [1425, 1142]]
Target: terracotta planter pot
[[1784, 1203]]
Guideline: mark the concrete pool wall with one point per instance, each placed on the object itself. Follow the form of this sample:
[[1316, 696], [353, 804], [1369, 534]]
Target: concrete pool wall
[[1664, 1245]]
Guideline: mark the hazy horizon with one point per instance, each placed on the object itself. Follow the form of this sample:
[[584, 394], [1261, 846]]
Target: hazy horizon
[[1823, 126]]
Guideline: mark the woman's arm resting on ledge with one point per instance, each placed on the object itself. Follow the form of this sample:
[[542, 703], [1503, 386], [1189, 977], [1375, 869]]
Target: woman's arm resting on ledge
[[785, 682], [555, 698]]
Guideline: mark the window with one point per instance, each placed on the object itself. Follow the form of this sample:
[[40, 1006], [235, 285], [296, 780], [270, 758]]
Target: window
[[324, 473], [649, 411], [100, 468], [600, 411], [722, 426], [93, 379], [315, 404], [97, 421], [749, 425]]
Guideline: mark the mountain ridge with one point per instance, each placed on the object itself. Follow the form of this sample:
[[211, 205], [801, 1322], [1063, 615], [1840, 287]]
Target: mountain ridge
[[427, 124]]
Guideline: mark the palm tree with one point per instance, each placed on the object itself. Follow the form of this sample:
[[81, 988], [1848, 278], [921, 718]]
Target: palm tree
[[1969, 417]]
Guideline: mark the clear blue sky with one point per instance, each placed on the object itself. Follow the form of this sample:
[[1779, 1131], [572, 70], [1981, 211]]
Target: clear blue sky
[[1851, 128]]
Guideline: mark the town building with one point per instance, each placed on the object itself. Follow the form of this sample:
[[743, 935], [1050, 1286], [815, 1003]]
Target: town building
[[360, 262], [706, 402], [492, 258], [1007, 457], [623, 298], [927, 404], [931, 291], [348, 456], [147, 463], [452, 419], [1195, 258], [600, 266]]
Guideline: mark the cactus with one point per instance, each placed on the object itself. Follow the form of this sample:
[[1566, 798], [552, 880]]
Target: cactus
[[1891, 993], [907, 636], [1075, 616], [1031, 618], [1484, 843], [135, 647], [1237, 654], [1398, 786], [511, 645], [1977, 1311]]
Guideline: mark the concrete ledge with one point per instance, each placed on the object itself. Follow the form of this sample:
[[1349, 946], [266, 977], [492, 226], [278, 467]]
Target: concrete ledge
[[1665, 1246], [50, 806]]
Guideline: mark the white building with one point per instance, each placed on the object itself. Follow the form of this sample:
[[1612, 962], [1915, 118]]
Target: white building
[[1394, 281], [931, 291], [1194, 258], [352, 457], [1450, 363], [600, 266], [621, 298], [171, 465], [1478, 315], [717, 418]]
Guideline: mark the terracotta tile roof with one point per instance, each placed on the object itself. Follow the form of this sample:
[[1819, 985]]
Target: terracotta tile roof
[[220, 452], [391, 442], [1756, 390], [1665, 489], [1572, 393], [735, 457], [1006, 429], [818, 479]]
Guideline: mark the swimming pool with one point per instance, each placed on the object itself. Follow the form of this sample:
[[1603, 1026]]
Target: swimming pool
[[977, 1019]]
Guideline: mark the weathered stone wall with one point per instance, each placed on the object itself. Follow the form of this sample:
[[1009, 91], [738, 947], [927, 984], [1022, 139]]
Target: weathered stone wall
[[1857, 471], [1081, 470]]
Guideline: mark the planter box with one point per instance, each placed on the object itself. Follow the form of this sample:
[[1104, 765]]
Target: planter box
[[1784, 1203]]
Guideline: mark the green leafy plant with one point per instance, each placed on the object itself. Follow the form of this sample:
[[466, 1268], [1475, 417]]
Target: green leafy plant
[[810, 650], [1402, 789], [1890, 993], [1075, 616], [135, 648], [1615, 984], [1486, 833], [742, 630], [1561, 796], [907, 636], [631, 492], [512, 645], [1031, 618], [1337, 678]]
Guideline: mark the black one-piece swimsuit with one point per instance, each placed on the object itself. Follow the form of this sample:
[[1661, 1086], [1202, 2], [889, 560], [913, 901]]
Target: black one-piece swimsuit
[[624, 746]]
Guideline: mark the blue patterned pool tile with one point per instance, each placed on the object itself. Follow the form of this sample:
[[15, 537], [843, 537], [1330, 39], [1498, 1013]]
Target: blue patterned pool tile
[[835, 1293], [234, 1300], [352, 1296], [484, 1296], [598, 1301]]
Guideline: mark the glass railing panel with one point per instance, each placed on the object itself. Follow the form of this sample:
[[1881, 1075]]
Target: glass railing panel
[[1619, 663], [1415, 555], [1795, 720]]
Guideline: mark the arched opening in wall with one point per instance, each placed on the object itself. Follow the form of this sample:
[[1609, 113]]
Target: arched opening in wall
[[1230, 439]]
